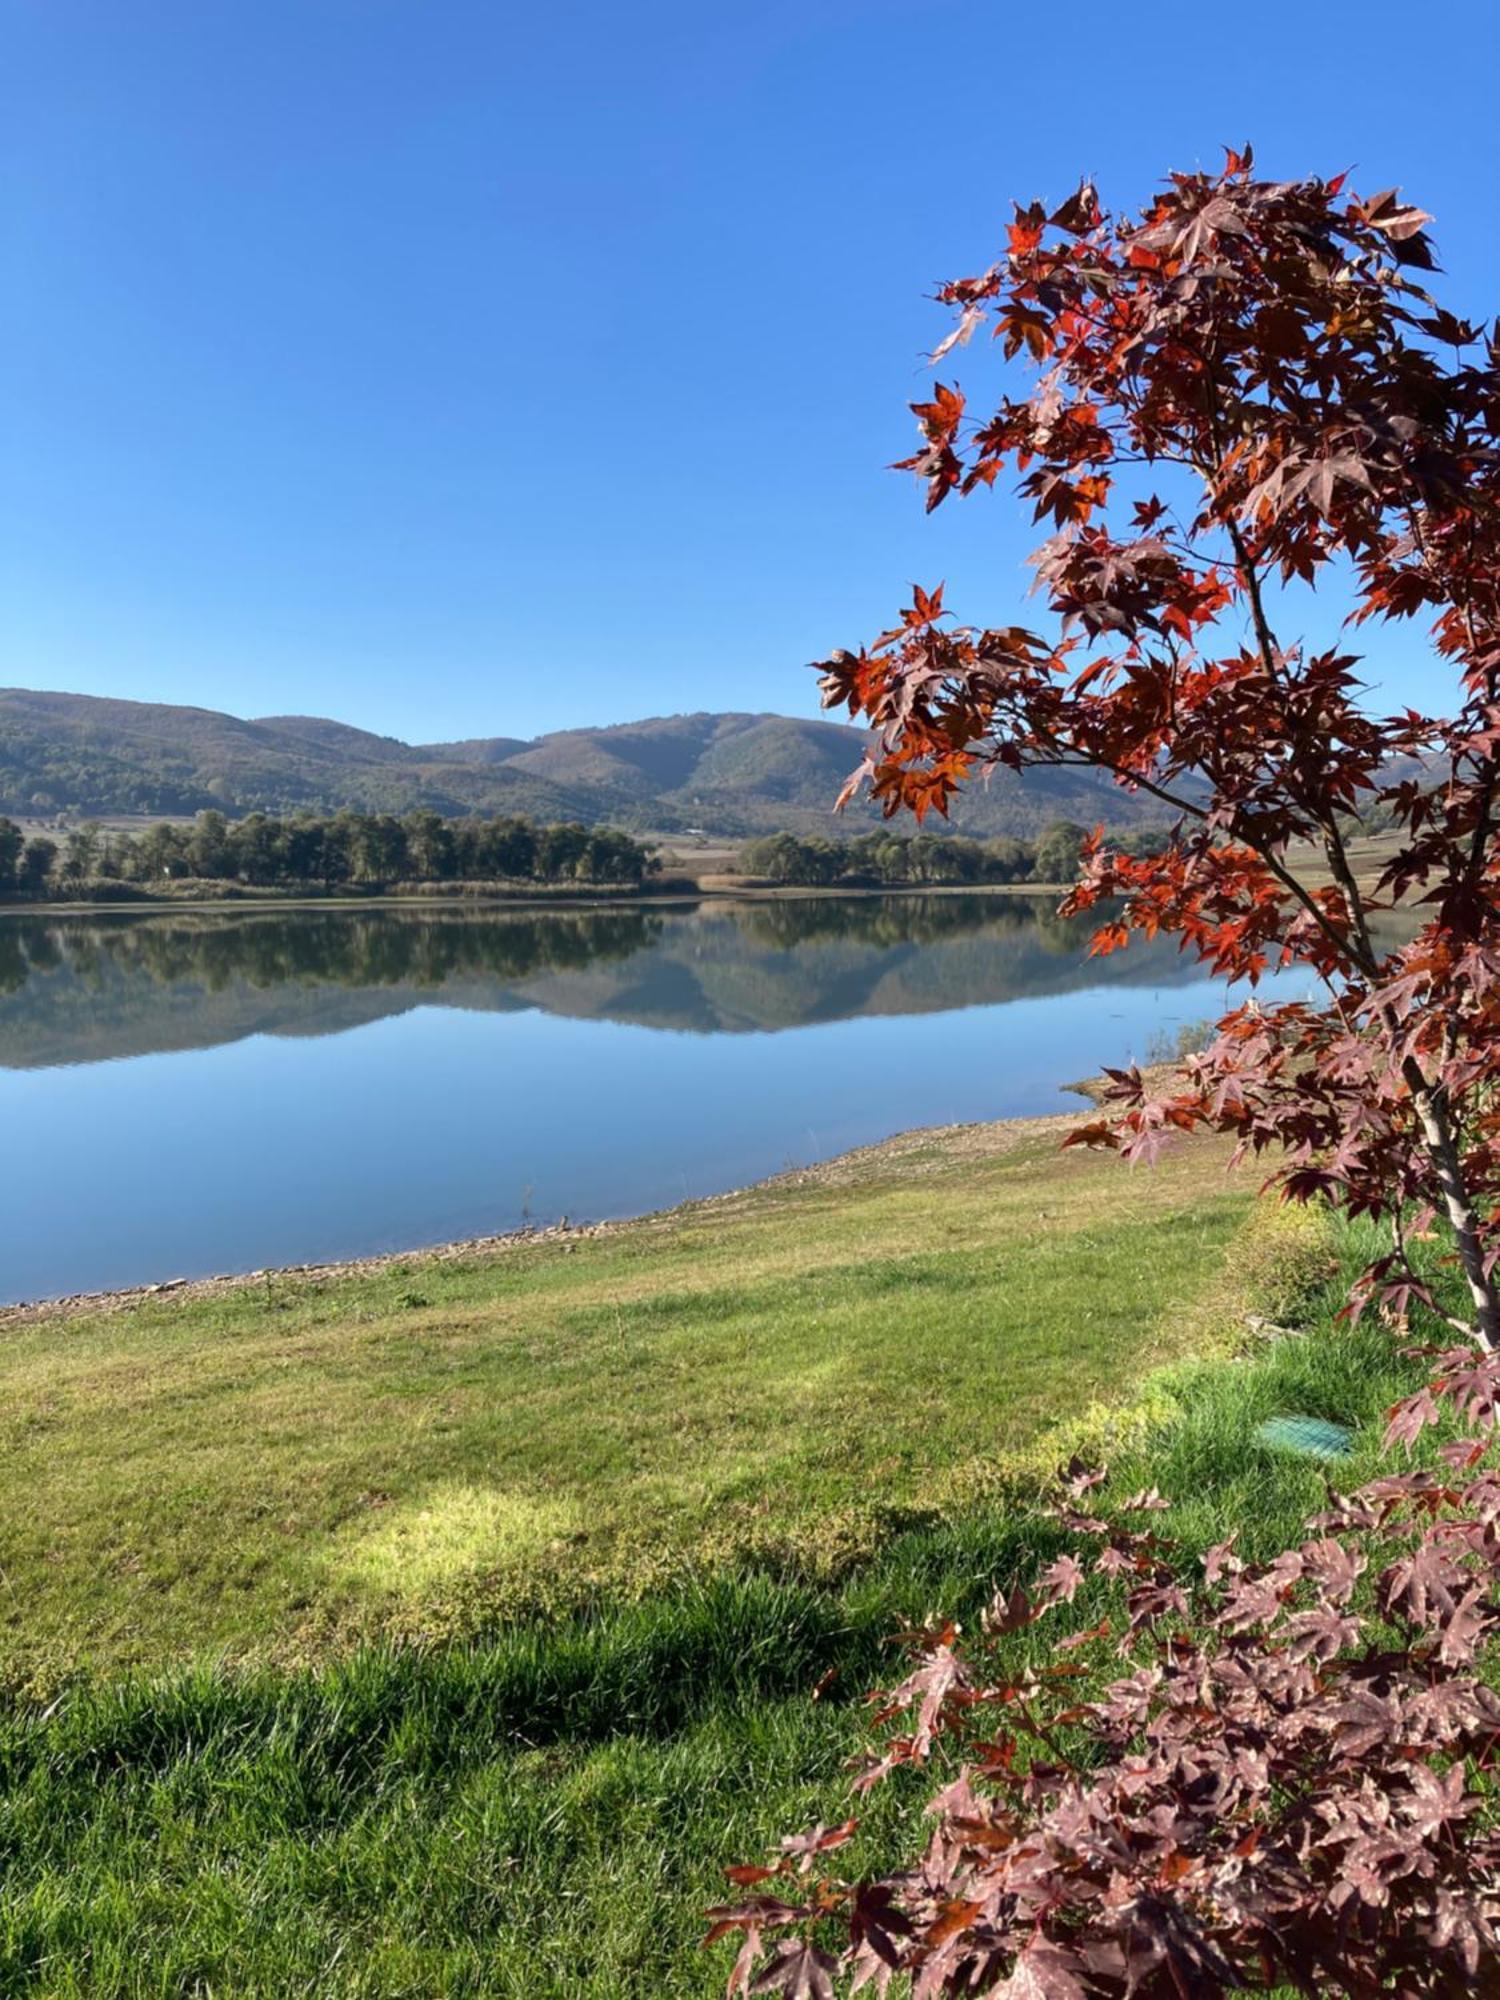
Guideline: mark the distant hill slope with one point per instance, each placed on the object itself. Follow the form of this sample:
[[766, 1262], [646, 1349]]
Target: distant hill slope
[[728, 774]]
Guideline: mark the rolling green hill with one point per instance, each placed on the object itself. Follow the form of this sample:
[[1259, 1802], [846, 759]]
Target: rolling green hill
[[728, 774]]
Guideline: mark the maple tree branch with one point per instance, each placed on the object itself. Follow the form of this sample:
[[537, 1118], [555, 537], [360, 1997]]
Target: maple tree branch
[[1039, 1730], [1343, 873], [1429, 1100], [1257, 847], [1081, 762], [1264, 637], [1333, 841], [1250, 578], [1314, 908], [1484, 824]]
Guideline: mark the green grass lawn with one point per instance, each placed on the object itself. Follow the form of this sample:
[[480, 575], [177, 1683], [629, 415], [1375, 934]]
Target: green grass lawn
[[733, 1449], [781, 1376]]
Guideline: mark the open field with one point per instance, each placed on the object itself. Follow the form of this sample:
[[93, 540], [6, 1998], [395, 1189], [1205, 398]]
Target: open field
[[1368, 855], [725, 1452], [278, 1466]]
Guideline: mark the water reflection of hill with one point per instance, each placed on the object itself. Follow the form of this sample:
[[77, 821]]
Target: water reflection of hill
[[89, 988]]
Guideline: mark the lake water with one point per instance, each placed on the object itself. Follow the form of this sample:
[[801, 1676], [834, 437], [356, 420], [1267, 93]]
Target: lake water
[[184, 1093]]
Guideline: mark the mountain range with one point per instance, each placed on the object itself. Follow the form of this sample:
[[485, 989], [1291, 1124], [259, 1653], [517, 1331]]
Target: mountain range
[[732, 774]]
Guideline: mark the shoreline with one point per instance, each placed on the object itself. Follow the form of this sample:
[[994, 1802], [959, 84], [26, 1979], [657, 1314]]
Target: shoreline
[[998, 1134], [592, 899]]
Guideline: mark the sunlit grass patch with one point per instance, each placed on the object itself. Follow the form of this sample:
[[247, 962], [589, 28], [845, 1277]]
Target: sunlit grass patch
[[455, 1532]]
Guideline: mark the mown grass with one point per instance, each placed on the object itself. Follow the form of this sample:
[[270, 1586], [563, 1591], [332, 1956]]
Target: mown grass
[[546, 1809], [548, 1812], [783, 1376]]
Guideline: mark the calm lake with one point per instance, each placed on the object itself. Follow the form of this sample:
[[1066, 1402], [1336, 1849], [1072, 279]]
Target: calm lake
[[185, 1093]]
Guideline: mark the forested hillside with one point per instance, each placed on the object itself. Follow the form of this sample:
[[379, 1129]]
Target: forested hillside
[[732, 774]]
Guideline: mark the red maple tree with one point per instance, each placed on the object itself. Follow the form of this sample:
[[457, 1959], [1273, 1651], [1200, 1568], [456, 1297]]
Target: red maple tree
[[1245, 391], [1242, 394]]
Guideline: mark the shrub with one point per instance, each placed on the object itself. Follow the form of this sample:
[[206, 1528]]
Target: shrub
[[1289, 1783]]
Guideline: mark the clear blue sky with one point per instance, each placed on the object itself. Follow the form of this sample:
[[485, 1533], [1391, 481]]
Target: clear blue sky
[[457, 367]]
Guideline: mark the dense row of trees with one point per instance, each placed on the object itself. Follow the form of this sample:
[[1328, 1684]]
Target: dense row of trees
[[891, 859], [375, 850], [327, 851]]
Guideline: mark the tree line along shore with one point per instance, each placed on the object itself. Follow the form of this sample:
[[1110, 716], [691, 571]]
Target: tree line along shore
[[312, 851], [363, 852]]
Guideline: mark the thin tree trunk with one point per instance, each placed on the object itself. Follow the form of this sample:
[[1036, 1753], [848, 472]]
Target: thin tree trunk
[[1442, 1147]]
